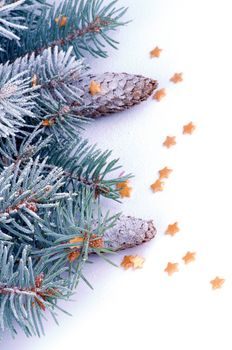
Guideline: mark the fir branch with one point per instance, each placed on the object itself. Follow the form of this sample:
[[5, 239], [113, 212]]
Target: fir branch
[[54, 74], [79, 216], [13, 151], [25, 292], [10, 22], [16, 100], [86, 27], [25, 193], [36, 90], [87, 167]]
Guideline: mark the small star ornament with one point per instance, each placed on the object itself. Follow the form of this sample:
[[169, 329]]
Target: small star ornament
[[177, 78], [124, 188], [164, 173], [189, 128], [159, 95], [73, 255], [189, 257], [171, 268], [48, 122], [132, 261], [217, 282], [96, 241], [157, 186], [172, 229], [155, 52], [34, 80], [62, 21], [169, 141], [138, 262], [94, 88]]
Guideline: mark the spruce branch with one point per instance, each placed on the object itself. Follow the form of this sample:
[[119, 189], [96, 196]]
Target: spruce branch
[[12, 151], [9, 23], [13, 16], [26, 292], [51, 180], [62, 100], [86, 166], [16, 100], [35, 90], [25, 193], [84, 24]]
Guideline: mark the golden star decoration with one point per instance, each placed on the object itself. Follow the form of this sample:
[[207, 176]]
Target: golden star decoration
[[61, 20], [34, 80], [48, 122], [164, 173], [217, 282], [177, 78], [159, 94], [169, 141], [96, 242], [172, 229], [155, 52], [124, 188], [189, 257], [189, 128], [171, 268], [72, 256], [157, 186], [94, 88], [132, 261]]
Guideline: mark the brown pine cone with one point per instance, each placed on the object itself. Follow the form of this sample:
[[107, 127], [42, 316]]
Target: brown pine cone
[[119, 91]]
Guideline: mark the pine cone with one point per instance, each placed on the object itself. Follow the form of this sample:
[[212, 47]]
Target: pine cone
[[119, 91], [129, 232]]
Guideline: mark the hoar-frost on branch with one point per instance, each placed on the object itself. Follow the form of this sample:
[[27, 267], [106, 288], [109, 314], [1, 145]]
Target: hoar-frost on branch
[[51, 179]]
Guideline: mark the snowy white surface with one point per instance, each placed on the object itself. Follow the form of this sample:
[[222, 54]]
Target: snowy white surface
[[146, 309]]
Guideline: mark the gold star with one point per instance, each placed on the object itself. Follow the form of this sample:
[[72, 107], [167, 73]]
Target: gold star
[[48, 122], [73, 255], [126, 262], [189, 257], [157, 186], [159, 95], [155, 52], [171, 268], [189, 128], [170, 141], [61, 20], [124, 189], [134, 261], [172, 229], [217, 283], [96, 241], [164, 173], [94, 88], [177, 78], [137, 261], [34, 80]]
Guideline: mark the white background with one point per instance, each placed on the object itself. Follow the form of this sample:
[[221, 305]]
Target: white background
[[146, 309]]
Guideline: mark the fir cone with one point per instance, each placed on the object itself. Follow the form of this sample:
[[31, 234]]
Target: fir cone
[[129, 232], [117, 92]]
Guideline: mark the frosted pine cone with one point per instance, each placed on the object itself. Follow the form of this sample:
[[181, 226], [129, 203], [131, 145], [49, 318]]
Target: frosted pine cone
[[119, 91], [129, 232]]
